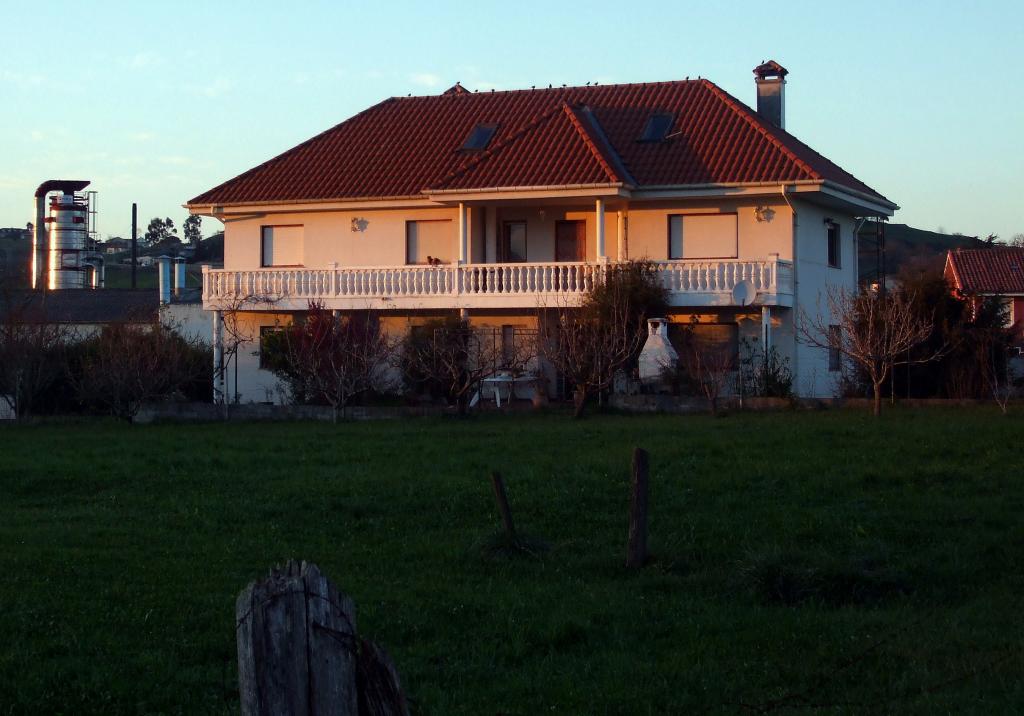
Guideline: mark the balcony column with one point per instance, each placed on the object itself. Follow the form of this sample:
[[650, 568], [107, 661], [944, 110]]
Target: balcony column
[[766, 329], [218, 357], [620, 226], [599, 218], [463, 235], [491, 235]]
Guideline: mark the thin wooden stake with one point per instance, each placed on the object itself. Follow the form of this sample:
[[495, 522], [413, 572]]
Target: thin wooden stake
[[636, 548], [503, 507]]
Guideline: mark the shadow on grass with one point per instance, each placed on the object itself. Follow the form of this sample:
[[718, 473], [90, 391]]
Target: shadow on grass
[[775, 576], [499, 546]]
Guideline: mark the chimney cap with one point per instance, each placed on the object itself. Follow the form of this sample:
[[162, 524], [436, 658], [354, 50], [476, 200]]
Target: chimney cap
[[770, 69]]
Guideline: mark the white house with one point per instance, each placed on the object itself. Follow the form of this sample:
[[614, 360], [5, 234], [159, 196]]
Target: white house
[[494, 203]]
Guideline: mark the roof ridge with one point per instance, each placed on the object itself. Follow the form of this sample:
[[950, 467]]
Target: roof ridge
[[590, 143], [742, 110], [558, 88]]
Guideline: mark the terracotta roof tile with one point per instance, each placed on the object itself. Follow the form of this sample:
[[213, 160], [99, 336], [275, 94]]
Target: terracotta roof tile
[[546, 137], [988, 271]]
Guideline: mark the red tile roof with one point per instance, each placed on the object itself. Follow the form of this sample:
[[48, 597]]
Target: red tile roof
[[545, 137], [987, 271]]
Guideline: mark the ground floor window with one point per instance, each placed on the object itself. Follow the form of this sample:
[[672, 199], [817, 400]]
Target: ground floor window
[[720, 338], [271, 346]]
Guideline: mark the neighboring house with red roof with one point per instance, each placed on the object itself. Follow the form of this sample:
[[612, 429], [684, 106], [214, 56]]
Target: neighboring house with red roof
[[496, 203], [991, 272]]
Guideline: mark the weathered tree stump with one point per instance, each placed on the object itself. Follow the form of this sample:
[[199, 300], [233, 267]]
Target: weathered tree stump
[[501, 497], [636, 547], [299, 654]]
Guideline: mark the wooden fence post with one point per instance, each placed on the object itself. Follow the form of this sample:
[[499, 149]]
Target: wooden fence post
[[636, 547], [504, 509], [299, 654]]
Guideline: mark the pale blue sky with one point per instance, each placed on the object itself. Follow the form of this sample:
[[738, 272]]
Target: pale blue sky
[[156, 102]]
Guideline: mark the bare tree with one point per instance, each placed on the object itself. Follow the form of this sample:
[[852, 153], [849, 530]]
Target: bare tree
[[871, 330], [590, 343], [127, 365], [994, 353], [708, 367], [332, 358], [456, 358], [236, 332], [31, 345]]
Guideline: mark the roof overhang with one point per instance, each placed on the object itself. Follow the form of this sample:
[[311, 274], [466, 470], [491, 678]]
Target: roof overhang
[[821, 192], [511, 193], [220, 210], [818, 191]]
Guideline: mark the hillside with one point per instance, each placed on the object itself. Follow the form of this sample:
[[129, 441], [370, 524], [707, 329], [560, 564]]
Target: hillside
[[905, 245]]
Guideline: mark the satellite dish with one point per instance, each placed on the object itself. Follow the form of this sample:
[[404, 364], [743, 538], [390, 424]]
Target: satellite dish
[[743, 293]]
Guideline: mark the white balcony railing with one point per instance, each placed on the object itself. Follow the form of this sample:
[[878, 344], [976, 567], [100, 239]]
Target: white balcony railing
[[518, 285]]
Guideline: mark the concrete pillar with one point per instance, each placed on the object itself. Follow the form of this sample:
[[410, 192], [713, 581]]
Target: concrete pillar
[[218, 358], [620, 226], [766, 329], [164, 274], [599, 218], [179, 276], [491, 235], [463, 235]]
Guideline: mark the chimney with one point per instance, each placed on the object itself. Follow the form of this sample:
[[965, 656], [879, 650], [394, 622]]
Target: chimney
[[164, 272], [770, 78], [179, 275]]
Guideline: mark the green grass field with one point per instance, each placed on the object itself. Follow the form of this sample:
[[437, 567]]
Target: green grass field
[[802, 562], [120, 276]]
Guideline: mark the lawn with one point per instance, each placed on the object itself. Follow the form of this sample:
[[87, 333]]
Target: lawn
[[802, 562]]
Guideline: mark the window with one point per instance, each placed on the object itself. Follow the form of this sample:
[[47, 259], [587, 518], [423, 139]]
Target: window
[[832, 230], [281, 246], [429, 242], [479, 138], [702, 236], [513, 242], [707, 338], [835, 358], [271, 346], [657, 127]]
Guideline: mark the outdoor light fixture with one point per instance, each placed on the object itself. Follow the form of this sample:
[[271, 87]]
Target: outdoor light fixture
[[359, 224], [764, 213]]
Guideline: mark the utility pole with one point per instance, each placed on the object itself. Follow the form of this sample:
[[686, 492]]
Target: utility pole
[[135, 239]]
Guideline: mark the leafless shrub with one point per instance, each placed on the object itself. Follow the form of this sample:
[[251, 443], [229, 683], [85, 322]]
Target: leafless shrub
[[588, 344], [873, 330], [331, 358], [707, 366], [31, 350], [454, 357], [127, 365]]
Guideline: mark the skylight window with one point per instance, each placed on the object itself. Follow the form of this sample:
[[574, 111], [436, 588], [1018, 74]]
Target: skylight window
[[480, 137], [657, 127]]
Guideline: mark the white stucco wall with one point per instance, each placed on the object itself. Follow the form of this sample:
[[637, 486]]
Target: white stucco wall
[[814, 277], [328, 238]]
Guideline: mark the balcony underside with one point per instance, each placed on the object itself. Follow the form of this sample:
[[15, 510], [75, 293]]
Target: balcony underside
[[720, 283]]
